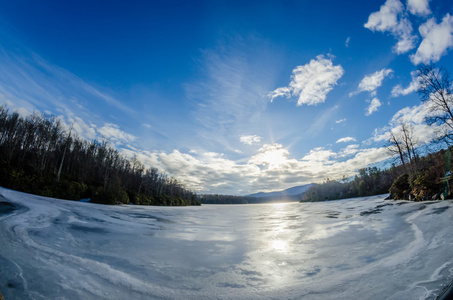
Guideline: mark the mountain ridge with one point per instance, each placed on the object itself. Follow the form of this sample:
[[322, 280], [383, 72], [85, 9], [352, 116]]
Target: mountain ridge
[[289, 192]]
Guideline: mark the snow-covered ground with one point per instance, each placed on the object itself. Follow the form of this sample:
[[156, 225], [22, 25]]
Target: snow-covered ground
[[364, 248]]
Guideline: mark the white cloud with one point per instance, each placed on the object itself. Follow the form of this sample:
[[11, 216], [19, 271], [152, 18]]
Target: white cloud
[[374, 105], [406, 40], [386, 18], [346, 140], [414, 116], [437, 40], [319, 154], [398, 90], [418, 7], [390, 18], [370, 83], [349, 150], [311, 82], [280, 92], [341, 121], [112, 133], [205, 172], [250, 139], [380, 135], [271, 156], [347, 42], [271, 168], [83, 129]]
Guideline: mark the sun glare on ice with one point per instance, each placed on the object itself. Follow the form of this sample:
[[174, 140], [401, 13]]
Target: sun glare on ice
[[280, 245]]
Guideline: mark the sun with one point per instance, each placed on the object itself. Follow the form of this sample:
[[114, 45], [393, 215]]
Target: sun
[[275, 158]]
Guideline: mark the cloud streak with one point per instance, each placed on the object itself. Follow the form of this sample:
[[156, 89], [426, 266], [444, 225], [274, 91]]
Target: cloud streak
[[346, 140], [52, 89], [373, 107], [112, 133], [250, 139], [230, 90], [398, 90]]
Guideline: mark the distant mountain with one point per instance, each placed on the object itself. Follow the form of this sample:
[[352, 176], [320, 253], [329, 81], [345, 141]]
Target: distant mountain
[[291, 192]]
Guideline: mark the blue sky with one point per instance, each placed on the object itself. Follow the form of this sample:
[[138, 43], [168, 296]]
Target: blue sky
[[230, 97]]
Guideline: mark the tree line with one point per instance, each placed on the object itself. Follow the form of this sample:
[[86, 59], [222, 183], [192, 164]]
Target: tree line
[[369, 181], [222, 199], [231, 199], [411, 177], [38, 155]]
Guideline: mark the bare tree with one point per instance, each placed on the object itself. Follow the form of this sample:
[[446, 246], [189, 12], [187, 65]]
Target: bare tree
[[395, 147], [435, 87], [402, 143], [409, 142], [68, 140]]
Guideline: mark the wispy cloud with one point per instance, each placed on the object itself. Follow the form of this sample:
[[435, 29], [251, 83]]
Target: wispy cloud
[[415, 117], [30, 83], [391, 18], [250, 139], [346, 140], [373, 107], [311, 82], [349, 151], [230, 90], [370, 83], [113, 133], [398, 90], [79, 126], [437, 39], [340, 121], [322, 119], [346, 43]]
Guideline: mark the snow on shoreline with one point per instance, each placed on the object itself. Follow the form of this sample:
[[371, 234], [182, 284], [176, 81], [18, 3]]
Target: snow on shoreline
[[364, 248]]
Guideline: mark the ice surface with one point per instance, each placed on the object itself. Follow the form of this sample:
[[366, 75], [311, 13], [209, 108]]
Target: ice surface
[[364, 248]]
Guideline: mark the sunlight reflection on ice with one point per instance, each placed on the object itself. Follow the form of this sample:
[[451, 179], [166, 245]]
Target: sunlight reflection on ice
[[280, 245]]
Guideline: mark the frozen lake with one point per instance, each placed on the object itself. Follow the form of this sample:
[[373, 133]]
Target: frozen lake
[[364, 248]]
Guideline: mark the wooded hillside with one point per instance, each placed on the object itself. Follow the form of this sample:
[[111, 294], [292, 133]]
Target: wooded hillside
[[37, 155]]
